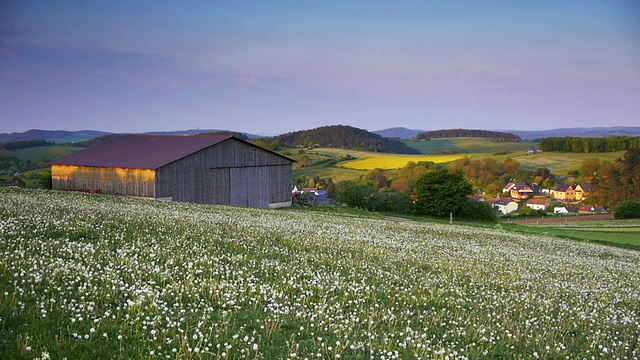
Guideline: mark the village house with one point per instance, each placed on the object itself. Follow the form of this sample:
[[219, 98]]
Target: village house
[[219, 169], [591, 209], [564, 192], [505, 205], [563, 210], [507, 188], [582, 190], [538, 204], [521, 191]]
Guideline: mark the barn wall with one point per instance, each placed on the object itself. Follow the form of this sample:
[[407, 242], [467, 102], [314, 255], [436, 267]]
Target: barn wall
[[132, 182], [281, 178], [230, 173]]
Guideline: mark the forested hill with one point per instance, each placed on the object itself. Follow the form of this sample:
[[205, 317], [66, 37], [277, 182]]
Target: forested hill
[[342, 136], [450, 133]]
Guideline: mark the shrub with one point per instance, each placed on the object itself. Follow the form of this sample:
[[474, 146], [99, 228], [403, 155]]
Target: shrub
[[629, 209], [477, 210]]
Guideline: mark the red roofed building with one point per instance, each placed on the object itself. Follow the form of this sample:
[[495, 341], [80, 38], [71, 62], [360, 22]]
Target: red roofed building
[[218, 169], [591, 209]]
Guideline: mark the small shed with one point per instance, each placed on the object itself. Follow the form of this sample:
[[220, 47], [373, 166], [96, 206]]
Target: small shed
[[219, 169]]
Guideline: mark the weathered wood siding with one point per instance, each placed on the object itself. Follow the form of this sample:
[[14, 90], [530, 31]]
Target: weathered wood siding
[[281, 178], [231, 172], [132, 182]]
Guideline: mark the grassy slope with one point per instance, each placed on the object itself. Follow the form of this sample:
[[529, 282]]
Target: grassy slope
[[470, 145], [624, 233], [40, 153], [109, 277]]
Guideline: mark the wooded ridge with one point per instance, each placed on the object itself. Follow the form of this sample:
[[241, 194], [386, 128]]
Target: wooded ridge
[[452, 133], [342, 136]]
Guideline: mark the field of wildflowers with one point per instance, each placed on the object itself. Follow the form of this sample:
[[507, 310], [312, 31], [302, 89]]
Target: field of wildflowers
[[94, 276]]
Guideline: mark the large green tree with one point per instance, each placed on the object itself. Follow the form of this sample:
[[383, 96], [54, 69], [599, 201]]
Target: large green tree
[[441, 192]]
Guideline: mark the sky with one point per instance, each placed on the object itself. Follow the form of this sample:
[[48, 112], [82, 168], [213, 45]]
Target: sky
[[271, 67]]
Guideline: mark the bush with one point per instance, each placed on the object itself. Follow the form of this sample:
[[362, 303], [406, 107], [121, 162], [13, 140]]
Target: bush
[[629, 209], [477, 210]]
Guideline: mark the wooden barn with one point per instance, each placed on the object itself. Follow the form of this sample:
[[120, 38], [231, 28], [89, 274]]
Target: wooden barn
[[217, 169]]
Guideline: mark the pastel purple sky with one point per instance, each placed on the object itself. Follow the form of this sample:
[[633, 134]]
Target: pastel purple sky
[[269, 67]]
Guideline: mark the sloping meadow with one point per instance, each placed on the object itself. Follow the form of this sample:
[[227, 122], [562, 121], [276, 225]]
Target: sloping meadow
[[96, 276]]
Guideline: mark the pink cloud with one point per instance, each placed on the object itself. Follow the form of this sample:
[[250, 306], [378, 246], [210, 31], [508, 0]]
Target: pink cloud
[[248, 78]]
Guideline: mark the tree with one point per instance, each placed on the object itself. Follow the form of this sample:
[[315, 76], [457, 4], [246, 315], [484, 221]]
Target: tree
[[440, 192], [45, 180], [628, 209]]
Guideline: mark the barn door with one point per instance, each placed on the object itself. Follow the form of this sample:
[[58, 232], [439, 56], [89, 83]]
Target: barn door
[[250, 187]]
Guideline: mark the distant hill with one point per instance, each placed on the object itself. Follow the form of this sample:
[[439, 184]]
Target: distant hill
[[57, 136], [455, 133], [205, 131], [398, 133], [342, 136], [580, 132], [404, 133]]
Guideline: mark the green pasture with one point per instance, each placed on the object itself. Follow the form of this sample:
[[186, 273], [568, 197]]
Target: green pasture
[[470, 145], [561, 163], [622, 233], [71, 139], [40, 153], [336, 174]]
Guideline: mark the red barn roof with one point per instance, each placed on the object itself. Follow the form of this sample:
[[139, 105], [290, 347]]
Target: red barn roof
[[140, 151]]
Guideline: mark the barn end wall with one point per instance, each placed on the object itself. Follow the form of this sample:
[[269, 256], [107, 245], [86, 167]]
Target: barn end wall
[[131, 182], [229, 173]]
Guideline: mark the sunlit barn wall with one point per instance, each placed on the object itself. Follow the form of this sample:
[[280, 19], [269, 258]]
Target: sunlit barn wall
[[131, 182]]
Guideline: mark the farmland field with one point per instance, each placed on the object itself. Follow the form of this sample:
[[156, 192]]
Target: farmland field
[[470, 145], [391, 161], [475, 149], [94, 276]]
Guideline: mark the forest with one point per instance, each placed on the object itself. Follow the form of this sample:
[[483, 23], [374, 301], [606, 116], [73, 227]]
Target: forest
[[574, 144], [341, 136]]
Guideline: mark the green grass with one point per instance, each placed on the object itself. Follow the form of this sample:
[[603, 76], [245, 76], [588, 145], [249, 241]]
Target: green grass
[[97, 276], [622, 233], [470, 145], [561, 163], [40, 153]]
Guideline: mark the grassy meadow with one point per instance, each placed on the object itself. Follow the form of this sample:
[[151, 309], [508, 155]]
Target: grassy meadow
[[40, 153], [96, 276], [470, 146], [624, 233]]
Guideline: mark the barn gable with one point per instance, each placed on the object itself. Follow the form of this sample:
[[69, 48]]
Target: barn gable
[[208, 170]]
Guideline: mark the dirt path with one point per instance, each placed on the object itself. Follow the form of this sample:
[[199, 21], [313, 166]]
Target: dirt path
[[562, 219]]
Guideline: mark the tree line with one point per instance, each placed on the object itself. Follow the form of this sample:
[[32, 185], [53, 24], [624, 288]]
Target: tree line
[[615, 182], [15, 145], [574, 144], [452, 133]]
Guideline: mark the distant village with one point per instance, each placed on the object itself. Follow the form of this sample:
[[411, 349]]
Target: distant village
[[564, 199]]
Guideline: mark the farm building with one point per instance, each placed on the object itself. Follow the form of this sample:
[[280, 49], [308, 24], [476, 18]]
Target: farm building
[[217, 169]]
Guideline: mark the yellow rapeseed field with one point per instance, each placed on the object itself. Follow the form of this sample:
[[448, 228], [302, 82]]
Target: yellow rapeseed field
[[384, 161]]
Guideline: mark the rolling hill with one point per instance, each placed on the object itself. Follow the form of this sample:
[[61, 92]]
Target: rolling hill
[[57, 136], [341, 136], [404, 133]]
